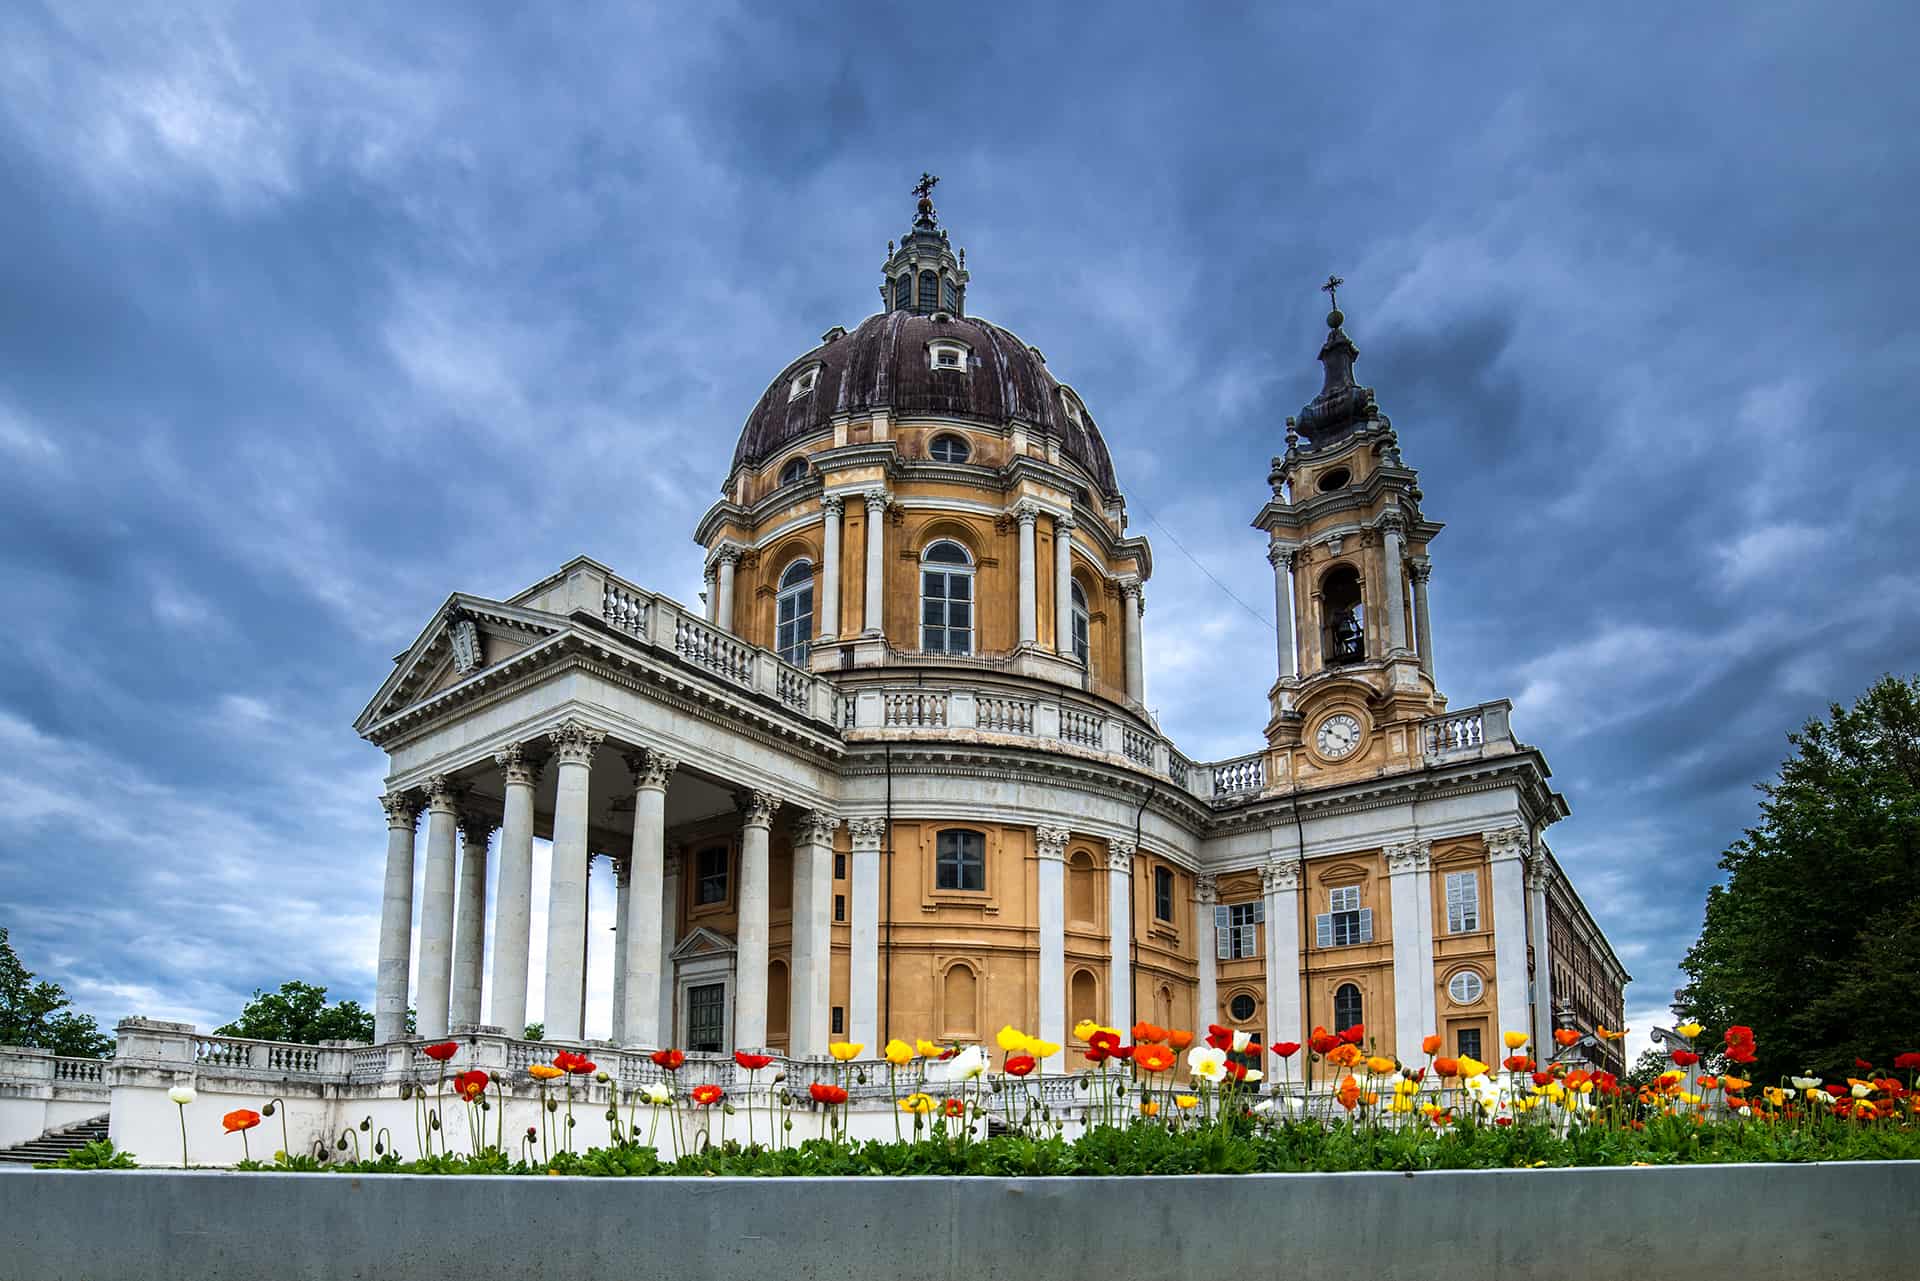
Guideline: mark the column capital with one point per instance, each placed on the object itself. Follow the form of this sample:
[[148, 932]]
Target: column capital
[[832, 505], [444, 793], [1064, 523], [726, 554], [1027, 512], [1206, 889], [815, 827], [1050, 843], [867, 833], [756, 806], [1280, 875], [402, 807], [1421, 567], [1506, 843], [574, 742], [476, 829], [520, 764], [1540, 874], [1408, 857], [1135, 588], [622, 870], [1281, 555], [1392, 522], [651, 769], [1120, 856], [876, 499]]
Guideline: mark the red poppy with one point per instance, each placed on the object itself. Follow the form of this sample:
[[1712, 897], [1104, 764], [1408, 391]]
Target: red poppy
[[1742, 1053], [1322, 1041], [1235, 1069], [1543, 1079], [1503, 1120], [707, 1095], [442, 1052], [470, 1085], [1837, 1090], [1685, 1058], [823, 1093], [1020, 1064], [954, 1107], [1738, 1035], [751, 1062], [1418, 1074], [568, 1061], [669, 1059], [585, 1067], [1285, 1049], [1863, 1064], [1566, 1035], [1908, 1061], [240, 1119], [1220, 1038], [1103, 1043], [1517, 1063], [1123, 1052], [1354, 1035]]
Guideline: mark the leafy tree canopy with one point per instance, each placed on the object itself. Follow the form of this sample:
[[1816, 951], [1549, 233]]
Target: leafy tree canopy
[[299, 1012], [36, 1013], [1814, 939]]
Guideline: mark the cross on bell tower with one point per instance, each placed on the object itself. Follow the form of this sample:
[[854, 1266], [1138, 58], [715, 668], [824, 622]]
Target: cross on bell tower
[[924, 275]]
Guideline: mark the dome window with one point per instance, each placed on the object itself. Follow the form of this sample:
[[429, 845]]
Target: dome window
[[949, 449], [903, 291], [929, 291], [793, 625], [1082, 626], [1073, 409], [948, 355], [946, 599], [1336, 478], [794, 472], [803, 382], [949, 297]]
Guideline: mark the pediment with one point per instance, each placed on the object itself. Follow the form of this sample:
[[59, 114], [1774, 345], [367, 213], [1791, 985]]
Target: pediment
[[467, 635], [702, 942]]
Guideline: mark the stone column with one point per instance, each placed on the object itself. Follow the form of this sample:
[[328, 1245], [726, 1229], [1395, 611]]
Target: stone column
[[723, 614], [1206, 896], [1539, 878], [863, 966], [1412, 949], [1280, 885], [513, 891], [470, 930], [648, 934], [750, 936], [872, 620], [669, 939], [1506, 853], [1063, 528], [1027, 514], [1421, 568], [1133, 608], [396, 919], [1423, 884], [1120, 933], [622, 908], [712, 595], [1281, 558], [573, 748], [809, 1008], [1050, 844], [1391, 524], [436, 908], [831, 513]]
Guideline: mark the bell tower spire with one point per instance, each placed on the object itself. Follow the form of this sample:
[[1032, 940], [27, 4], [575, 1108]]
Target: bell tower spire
[[924, 275]]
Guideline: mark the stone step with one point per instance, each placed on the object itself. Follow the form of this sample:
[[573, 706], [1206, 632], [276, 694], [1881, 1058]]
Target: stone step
[[56, 1143]]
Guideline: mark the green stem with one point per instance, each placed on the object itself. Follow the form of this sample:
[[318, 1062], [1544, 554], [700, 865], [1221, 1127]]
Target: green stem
[[184, 1162]]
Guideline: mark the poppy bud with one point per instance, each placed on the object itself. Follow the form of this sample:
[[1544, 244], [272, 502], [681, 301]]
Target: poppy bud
[[378, 1147], [342, 1144], [728, 1109], [486, 1105], [860, 1076], [569, 1123], [779, 1077], [787, 1124], [366, 1124], [612, 1115], [266, 1109], [601, 1077], [995, 1086], [553, 1105], [433, 1120]]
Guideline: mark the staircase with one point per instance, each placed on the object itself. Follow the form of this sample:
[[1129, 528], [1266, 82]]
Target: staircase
[[55, 1144]]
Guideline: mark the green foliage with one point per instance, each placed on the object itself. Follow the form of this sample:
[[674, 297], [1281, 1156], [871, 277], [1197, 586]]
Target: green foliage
[[1815, 936], [36, 1014], [98, 1155], [535, 1032], [299, 1012]]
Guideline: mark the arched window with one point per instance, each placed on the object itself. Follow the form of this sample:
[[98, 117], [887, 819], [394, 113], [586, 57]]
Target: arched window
[[949, 449], [946, 599], [1346, 1008], [960, 860], [1082, 626], [1083, 891], [794, 472], [1345, 637], [793, 612], [961, 1002], [1084, 997], [929, 291], [903, 291]]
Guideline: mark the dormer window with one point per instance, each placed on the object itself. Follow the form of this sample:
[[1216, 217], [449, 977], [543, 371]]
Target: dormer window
[[1073, 409], [803, 383], [949, 355], [794, 472], [949, 449]]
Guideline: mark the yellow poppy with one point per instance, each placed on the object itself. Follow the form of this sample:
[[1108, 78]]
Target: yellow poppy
[[1010, 1039], [1186, 1102], [1042, 1049], [845, 1051], [1084, 1029], [927, 1049], [1150, 1108], [1379, 1066], [1471, 1067], [921, 1103], [1514, 1040], [1688, 1030], [544, 1071], [898, 1052]]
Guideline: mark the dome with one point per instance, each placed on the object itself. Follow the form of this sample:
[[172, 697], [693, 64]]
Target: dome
[[885, 364]]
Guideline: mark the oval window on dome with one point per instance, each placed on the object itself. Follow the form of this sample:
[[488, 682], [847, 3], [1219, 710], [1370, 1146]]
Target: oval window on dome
[[1336, 478], [949, 449]]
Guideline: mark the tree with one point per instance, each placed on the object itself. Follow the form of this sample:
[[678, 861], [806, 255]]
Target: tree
[[36, 1014], [1651, 1063], [1814, 938], [299, 1012]]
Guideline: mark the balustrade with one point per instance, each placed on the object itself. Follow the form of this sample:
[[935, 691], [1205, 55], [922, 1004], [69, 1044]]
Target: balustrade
[[1137, 746], [713, 649], [795, 686], [1004, 715], [1082, 727], [1243, 774], [77, 1069], [624, 608], [915, 710]]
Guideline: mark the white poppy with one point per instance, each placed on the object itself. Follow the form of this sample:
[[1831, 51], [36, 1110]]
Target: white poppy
[[1207, 1063], [967, 1064], [181, 1094], [656, 1093]]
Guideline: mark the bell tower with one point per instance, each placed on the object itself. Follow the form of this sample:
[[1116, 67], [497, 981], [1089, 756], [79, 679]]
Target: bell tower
[[1348, 543], [924, 275]]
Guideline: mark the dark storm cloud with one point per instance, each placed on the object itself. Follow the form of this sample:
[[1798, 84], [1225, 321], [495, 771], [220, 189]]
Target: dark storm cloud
[[307, 319]]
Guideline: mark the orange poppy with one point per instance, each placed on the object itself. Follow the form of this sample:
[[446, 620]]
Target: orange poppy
[[240, 1119], [1565, 1035], [1447, 1067], [707, 1095], [1179, 1038], [1430, 1045], [1153, 1058]]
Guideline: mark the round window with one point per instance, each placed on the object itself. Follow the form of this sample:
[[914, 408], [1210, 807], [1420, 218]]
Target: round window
[[1465, 988], [1241, 1008], [1334, 479]]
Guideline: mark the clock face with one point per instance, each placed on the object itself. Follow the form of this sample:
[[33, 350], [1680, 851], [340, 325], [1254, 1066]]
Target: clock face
[[1338, 737]]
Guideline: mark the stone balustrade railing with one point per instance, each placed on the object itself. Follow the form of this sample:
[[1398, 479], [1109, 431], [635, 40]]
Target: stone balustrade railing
[[1468, 733], [1241, 774]]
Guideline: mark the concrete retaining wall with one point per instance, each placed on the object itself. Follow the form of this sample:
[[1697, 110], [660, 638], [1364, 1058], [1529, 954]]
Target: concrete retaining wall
[[1807, 1222]]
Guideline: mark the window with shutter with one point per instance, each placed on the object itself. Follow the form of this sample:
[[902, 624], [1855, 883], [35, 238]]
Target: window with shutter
[[1346, 923], [1223, 933], [1235, 937], [1463, 902]]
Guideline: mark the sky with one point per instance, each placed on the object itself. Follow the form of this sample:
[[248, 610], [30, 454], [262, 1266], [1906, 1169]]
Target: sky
[[312, 314]]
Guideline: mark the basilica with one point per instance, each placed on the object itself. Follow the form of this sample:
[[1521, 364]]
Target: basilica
[[894, 776]]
